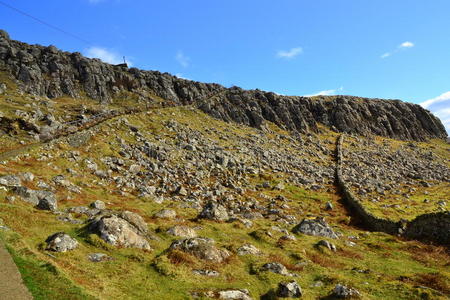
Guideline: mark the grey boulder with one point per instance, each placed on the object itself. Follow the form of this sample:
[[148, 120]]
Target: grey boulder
[[315, 227], [61, 242]]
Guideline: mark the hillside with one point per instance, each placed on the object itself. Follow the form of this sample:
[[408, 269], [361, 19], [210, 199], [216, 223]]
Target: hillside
[[164, 188]]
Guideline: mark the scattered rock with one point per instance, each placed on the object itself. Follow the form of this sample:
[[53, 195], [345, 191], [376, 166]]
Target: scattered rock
[[61, 242], [202, 248], [214, 211], [209, 273], [275, 267], [166, 214], [182, 231], [248, 249], [342, 291], [289, 290], [119, 232], [234, 295], [47, 201], [315, 227], [10, 181], [99, 257], [326, 244], [98, 204]]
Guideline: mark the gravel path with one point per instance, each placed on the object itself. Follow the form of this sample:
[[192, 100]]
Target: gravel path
[[11, 284]]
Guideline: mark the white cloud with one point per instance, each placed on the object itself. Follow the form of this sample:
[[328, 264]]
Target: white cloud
[[440, 107], [291, 53], [326, 92], [182, 59], [181, 76], [406, 45], [400, 47], [106, 55]]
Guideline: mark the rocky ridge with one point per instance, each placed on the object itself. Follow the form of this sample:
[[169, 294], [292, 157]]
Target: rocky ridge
[[47, 71]]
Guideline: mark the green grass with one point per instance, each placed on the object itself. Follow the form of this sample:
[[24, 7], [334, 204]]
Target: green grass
[[137, 274]]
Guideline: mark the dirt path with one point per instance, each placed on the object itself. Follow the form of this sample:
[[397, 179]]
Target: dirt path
[[11, 284]]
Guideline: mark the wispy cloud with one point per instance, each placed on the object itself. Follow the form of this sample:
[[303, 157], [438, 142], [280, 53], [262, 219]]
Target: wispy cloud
[[181, 76], [440, 107], [106, 55], [182, 59], [291, 53], [400, 47], [326, 92]]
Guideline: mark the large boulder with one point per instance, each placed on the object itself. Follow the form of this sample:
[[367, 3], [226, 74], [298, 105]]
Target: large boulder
[[118, 231], [316, 227], [202, 248], [61, 242]]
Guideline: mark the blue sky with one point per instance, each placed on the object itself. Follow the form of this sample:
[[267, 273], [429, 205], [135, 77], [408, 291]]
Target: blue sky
[[385, 49]]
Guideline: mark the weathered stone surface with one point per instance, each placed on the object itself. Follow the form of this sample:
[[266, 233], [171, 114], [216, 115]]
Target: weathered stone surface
[[10, 181], [234, 295], [275, 267], [47, 201], [214, 211], [248, 249], [99, 257], [119, 232], [72, 74], [316, 227], [209, 273], [289, 290], [166, 214], [344, 292], [202, 248], [98, 204], [327, 245], [61, 242], [182, 231]]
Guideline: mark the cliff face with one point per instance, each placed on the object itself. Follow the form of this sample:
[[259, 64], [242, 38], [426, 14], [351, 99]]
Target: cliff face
[[46, 71]]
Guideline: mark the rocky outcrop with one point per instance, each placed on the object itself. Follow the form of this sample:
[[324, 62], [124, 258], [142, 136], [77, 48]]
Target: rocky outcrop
[[47, 71]]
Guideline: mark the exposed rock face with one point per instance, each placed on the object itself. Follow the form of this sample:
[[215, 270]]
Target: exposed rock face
[[61, 242], [72, 74]]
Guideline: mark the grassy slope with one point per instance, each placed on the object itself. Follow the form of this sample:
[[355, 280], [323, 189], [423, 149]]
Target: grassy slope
[[394, 267]]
